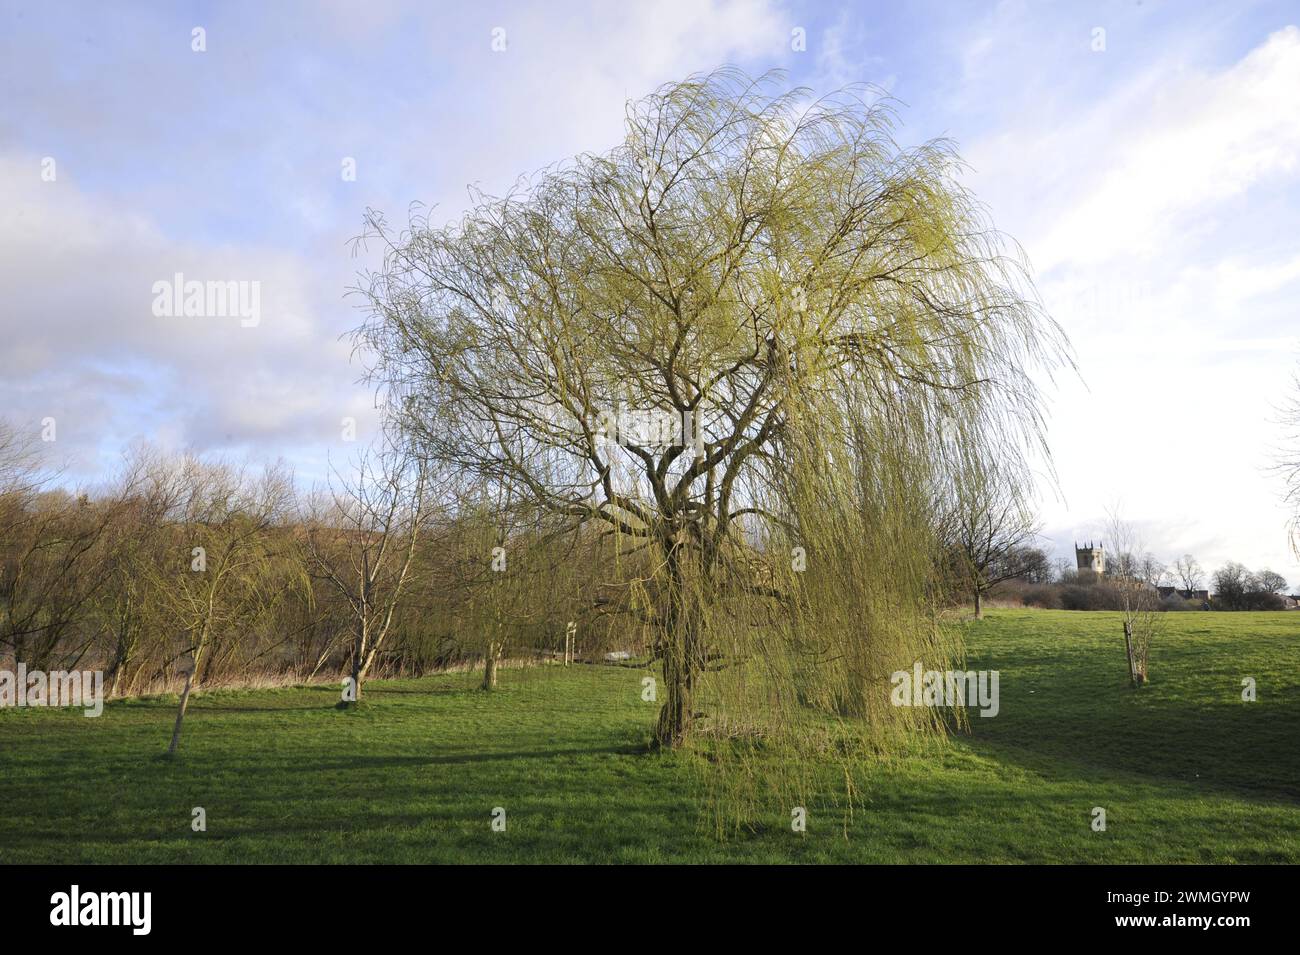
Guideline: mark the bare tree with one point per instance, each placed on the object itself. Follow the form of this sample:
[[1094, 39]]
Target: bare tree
[[991, 528], [21, 473], [1152, 571], [1232, 582], [1271, 582], [1140, 604], [362, 542], [1188, 572]]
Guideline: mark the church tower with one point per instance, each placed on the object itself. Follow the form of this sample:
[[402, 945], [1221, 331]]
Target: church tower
[[1091, 558]]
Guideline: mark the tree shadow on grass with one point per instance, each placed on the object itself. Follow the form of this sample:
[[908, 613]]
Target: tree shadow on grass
[[219, 709], [1214, 766], [463, 758]]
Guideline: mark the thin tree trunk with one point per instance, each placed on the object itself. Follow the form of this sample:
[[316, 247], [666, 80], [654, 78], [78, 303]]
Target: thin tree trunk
[[356, 679], [180, 710], [490, 667], [115, 671], [979, 605], [115, 678], [192, 675], [121, 661], [1128, 646], [358, 652]]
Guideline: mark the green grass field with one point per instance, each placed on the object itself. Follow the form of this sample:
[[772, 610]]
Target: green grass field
[[1187, 772]]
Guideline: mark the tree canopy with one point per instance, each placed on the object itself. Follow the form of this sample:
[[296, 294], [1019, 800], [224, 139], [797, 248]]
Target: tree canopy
[[753, 340]]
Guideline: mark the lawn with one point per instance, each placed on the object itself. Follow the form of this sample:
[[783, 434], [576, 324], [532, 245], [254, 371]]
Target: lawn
[[1186, 770]]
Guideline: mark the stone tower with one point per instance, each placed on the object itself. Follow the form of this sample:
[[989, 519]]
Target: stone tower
[[1092, 558]]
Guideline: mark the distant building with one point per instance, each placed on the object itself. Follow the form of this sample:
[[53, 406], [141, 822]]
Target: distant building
[[1201, 596], [1090, 558]]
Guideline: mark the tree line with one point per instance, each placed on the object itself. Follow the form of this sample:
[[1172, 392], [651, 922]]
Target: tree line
[[180, 572], [1025, 574]]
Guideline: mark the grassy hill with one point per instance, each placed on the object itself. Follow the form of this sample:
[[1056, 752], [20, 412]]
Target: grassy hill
[[1187, 772]]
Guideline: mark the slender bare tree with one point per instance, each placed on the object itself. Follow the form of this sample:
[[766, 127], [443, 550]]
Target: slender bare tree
[[361, 540], [1140, 603]]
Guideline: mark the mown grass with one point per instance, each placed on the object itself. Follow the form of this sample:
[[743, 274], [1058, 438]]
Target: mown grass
[[1186, 771]]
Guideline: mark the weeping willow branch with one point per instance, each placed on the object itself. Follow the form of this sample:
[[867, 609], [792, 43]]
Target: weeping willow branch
[[833, 323]]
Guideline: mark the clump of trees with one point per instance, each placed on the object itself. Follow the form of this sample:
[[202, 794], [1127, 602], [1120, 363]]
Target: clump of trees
[[1236, 588], [182, 572]]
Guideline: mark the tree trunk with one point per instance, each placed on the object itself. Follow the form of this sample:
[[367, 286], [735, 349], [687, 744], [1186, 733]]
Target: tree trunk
[[979, 605], [122, 650], [180, 710], [679, 656], [356, 678], [190, 677], [121, 660], [674, 722], [358, 661], [490, 667], [114, 672], [1128, 647]]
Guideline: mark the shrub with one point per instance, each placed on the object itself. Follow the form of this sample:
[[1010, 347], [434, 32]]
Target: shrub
[[1046, 596], [1097, 597]]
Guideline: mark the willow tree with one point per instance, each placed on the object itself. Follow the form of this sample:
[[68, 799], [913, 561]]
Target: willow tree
[[748, 342]]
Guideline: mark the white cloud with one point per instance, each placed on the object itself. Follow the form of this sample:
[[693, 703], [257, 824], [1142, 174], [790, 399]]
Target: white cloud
[[77, 266], [1140, 169], [1146, 216], [77, 275]]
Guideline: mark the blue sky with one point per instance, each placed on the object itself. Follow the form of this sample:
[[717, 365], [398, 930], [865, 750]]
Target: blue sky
[[1154, 184]]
